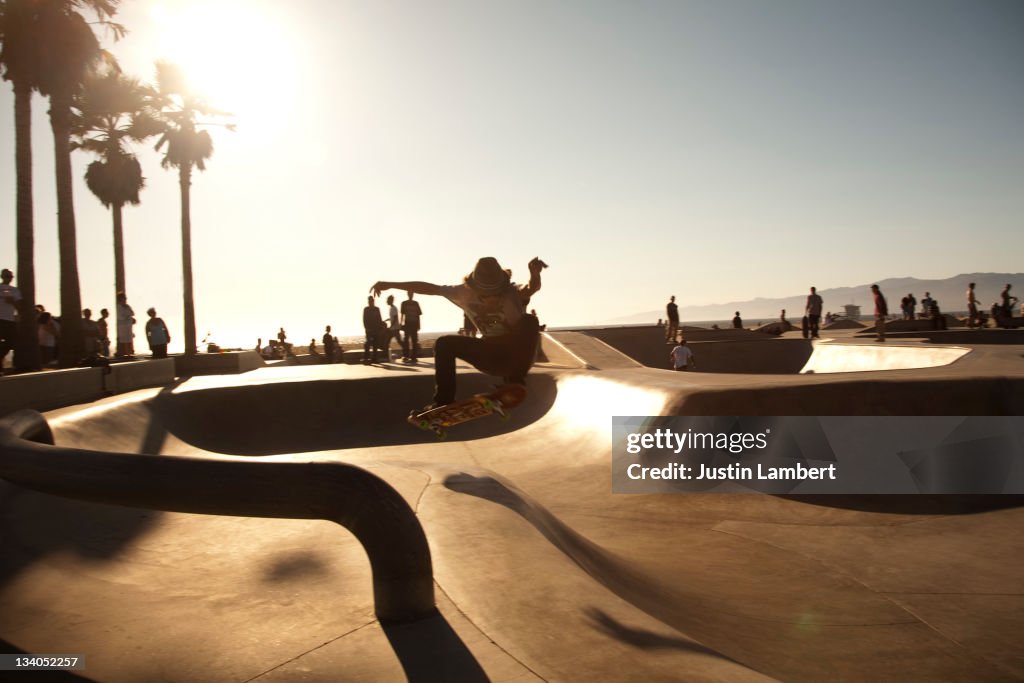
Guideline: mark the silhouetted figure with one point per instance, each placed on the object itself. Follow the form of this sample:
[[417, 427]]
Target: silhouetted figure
[[881, 311], [10, 297], [90, 335], [48, 333], [373, 326], [973, 318], [813, 312], [394, 330], [672, 326], [104, 332], [926, 305], [737, 321], [125, 325], [938, 320], [157, 334], [411, 314], [329, 349], [1008, 300], [497, 307]]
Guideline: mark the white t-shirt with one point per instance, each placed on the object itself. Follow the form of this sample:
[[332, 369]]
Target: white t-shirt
[[393, 316], [7, 309], [681, 356], [125, 321], [492, 317]]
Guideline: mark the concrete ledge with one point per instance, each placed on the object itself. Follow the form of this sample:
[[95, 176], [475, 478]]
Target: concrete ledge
[[230, 363], [51, 389], [140, 374]]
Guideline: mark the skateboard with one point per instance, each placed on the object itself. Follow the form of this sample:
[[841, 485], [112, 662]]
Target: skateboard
[[805, 327], [499, 402]]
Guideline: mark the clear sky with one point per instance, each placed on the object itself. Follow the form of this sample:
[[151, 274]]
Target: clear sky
[[718, 150]]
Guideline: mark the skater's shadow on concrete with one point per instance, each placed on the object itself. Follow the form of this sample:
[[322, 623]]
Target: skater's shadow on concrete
[[640, 638]]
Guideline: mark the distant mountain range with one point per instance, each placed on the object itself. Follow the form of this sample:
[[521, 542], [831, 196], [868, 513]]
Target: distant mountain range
[[949, 293]]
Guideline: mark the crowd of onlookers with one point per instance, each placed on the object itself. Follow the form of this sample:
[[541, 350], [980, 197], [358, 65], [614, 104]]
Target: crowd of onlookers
[[96, 332]]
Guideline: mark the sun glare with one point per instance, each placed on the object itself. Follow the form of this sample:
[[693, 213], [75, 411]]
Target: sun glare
[[233, 53]]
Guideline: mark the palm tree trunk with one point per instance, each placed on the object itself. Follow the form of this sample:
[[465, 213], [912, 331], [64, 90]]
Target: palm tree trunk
[[26, 354], [185, 179], [118, 251], [71, 343]]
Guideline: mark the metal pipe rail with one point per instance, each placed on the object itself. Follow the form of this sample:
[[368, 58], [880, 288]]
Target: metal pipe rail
[[361, 502]]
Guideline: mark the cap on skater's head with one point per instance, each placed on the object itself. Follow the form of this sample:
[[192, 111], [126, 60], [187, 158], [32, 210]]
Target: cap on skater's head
[[488, 277]]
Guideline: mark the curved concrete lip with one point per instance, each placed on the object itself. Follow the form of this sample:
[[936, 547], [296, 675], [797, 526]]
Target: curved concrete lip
[[829, 356], [540, 572]]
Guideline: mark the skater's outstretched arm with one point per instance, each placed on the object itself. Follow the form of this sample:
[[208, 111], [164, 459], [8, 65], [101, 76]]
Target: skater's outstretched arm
[[416, 287], [535, 266]]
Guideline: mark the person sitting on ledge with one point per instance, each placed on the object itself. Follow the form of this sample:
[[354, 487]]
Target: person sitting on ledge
[[497, 308]]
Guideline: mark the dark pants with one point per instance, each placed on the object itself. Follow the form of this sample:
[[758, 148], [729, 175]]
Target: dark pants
[[509, 357], [373, 339], [8, 337], [411, 343], [159, 350], [812, 324]]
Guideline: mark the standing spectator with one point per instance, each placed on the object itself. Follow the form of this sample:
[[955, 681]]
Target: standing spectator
[[9, 298], [394, 328], [938, 320], [905, 306], [328, 341], [682, 357], [372, 326], [104, 337], [48, 332], [972, 307], [411, 313], [911, 304], [926, 305], [1008, 301], [157, 334], [881, 311], [813, 312], [91, 334], [737, 321], [125, 325], [672, 326]]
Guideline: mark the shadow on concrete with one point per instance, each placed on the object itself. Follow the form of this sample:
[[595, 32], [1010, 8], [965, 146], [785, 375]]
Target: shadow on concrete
[[34, 526], [294, 565], [641, 589], [430, 650], [640, 638]]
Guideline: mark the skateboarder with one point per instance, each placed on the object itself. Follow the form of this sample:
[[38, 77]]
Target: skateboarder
[[497, 307]]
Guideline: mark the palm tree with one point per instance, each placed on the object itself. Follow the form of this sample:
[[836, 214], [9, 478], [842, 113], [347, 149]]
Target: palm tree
[[184, 114], [19, 58], [112, 110], [69, 50]]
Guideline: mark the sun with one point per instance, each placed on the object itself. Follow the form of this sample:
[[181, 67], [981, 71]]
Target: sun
[[237, 54]]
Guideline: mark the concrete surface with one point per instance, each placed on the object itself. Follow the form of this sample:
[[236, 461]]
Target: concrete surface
[[540, 572]]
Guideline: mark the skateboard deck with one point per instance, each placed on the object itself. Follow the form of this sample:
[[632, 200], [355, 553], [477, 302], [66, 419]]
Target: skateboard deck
[[498, 402], [805, 327]]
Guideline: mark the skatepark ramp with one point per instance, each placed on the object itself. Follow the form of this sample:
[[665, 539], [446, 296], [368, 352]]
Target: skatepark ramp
[[832, 357], [539, 571]]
